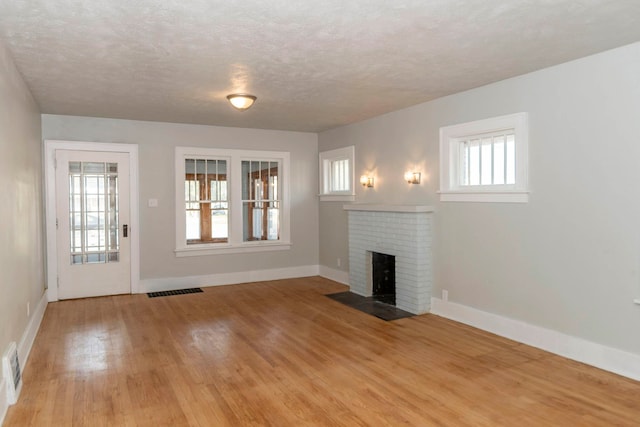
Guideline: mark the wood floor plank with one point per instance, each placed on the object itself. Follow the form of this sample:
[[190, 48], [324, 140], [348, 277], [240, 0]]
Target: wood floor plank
[[279, 353]]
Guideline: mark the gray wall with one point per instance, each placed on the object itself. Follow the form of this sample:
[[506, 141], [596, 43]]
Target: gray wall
[[21, 209], [156, 143], [569, 259]]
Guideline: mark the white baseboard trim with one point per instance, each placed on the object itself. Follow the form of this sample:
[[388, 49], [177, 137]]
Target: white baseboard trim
[[4, 405], [603, 357], [24, 349], [29, 335], [335, 275], [171, 283]]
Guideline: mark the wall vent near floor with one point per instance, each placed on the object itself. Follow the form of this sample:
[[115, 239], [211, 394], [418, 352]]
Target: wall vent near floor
[[11, 373]]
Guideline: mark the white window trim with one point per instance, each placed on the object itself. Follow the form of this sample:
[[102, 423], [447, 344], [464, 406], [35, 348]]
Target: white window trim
[[451, 191], [325, 159], [235, 242]]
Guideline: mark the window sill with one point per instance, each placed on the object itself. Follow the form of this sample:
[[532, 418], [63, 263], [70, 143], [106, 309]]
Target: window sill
[[636, 301], [337, 197], [485, 196], [229, 249]]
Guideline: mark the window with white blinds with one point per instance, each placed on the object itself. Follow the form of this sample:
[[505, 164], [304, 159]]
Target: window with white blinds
[[485, 160], [337, 174], [488, 159], [340, 175]]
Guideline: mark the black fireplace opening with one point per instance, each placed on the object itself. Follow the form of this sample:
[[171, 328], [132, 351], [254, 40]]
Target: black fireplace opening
[[383, 277]]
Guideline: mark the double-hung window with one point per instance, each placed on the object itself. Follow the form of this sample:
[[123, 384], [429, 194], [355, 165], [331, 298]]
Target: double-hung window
[[231, 201], [336, 174], [260, 200], [206, 200], [485, 160]]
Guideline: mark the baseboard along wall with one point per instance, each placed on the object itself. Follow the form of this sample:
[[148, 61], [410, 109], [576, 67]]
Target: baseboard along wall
[[24, 349], [4, 400], [172, 283], [29, 335], [598, 355]]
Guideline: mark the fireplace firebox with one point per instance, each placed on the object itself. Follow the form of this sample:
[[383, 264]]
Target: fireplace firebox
[[383, 277]]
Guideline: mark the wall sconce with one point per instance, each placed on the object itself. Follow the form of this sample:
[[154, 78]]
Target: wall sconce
[[366, 181], [412, 177]]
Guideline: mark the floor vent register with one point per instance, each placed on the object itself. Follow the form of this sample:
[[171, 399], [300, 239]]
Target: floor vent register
[[176, 292]]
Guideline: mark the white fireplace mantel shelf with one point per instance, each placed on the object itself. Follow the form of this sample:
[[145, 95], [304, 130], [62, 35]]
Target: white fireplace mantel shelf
[[388, 208]]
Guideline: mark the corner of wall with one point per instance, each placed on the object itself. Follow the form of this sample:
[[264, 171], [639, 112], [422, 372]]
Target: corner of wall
[[335, 275]]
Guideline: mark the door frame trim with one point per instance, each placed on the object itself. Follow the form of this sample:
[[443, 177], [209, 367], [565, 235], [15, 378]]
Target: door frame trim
[[50, 147]]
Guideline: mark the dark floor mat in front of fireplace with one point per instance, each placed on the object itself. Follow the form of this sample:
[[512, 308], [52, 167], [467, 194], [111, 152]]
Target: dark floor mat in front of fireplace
[[370, 306]]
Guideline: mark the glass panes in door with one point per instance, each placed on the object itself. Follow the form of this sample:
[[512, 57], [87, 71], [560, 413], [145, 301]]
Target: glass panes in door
[[93, 212]]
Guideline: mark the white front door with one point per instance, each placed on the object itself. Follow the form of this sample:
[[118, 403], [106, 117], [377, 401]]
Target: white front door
[[92, 210]]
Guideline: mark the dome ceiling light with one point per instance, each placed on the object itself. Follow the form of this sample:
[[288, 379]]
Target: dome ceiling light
[[241, 101]]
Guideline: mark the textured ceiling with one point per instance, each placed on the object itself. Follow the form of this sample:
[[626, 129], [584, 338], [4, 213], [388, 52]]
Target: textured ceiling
[[314, 65]]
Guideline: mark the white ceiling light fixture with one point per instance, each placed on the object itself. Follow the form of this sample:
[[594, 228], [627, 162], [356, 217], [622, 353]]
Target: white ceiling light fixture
[[241, 101]]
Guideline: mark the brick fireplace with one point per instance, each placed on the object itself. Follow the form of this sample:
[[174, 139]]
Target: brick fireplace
[[404, 232]]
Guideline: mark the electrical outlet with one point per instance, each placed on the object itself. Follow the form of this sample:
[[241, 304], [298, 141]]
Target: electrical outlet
[[28, 308], [338, 262], [445, 295]]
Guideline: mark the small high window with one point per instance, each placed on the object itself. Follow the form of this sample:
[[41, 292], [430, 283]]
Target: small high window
[[488, 159], [336, 175], [485, 160]]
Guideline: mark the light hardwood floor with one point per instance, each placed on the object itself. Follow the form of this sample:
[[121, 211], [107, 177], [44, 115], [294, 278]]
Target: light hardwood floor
[[280, 353]]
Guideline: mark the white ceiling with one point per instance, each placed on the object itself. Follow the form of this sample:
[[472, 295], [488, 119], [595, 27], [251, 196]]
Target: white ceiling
[[314, 65]]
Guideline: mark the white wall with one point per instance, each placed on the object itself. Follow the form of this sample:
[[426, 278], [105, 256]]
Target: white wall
[[569, 259], [156, 152], [21, 210]]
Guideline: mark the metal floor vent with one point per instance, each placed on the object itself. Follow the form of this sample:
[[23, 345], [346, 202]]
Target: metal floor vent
[[176, 292], [12, 374]]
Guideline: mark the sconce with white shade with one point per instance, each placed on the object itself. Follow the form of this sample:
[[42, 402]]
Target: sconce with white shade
[[412, 177], [366, 181], [241, 101]]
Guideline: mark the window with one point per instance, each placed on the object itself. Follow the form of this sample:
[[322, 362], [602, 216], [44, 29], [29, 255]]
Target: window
[[336, 175], [488, 159], [206, 201], [231, 201], [260, 200], [485, 160]]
